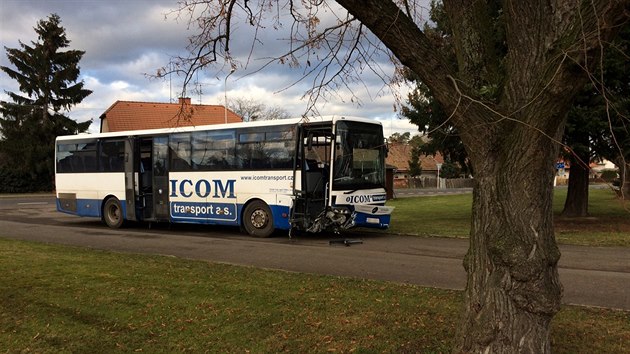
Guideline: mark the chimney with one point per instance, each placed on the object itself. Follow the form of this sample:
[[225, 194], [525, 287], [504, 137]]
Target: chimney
[[184, 101]]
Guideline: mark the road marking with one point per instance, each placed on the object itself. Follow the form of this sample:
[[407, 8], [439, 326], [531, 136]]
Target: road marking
[[33, 203]]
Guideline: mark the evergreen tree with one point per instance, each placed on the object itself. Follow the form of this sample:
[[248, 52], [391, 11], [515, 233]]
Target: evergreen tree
[[598, 125], [415, 166], [612, 141], [425, 112], [449, 170], [591, 132], [47, 79], [431, 120]]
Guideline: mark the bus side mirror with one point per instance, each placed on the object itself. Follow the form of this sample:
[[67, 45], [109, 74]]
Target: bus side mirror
[[309, 142], [386, 147]]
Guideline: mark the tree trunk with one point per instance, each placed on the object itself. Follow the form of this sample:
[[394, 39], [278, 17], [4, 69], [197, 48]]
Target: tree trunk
[[513, 290], [510, 108], [576, 204], [624, 177]]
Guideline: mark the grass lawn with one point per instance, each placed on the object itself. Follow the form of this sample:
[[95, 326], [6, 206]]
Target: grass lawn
[[449, 216], [64, 299]]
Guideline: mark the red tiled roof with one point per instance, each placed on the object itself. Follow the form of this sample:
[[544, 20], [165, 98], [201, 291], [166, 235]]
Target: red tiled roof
[[399, 155], [130, 115]]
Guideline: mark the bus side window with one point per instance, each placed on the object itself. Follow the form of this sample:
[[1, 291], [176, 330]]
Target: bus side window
[[116, 164], [111, 155], [180, 149], [64, 155], [160, 155], [158, 168], [178, 164], [76, 163], [90, 163]]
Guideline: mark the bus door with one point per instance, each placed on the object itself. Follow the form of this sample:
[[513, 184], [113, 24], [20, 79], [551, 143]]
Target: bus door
[[313, 151], [144, 189], [160, 178], [146, 178], [130, 179]]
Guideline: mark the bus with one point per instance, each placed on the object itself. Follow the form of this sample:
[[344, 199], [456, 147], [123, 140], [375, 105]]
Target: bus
[[316, 174]]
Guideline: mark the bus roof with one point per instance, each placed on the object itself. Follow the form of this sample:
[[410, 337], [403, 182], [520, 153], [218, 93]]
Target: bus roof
[[263, 123]]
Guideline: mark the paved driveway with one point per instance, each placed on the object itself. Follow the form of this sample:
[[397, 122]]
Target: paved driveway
[[594, 276]]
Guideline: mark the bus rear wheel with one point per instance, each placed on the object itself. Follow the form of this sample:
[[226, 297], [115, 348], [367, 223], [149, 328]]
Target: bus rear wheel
[[257, 219], [113, 214]]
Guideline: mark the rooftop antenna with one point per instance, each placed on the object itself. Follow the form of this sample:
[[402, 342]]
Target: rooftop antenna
[[391, 124], [225, 91], [199, 87], [170, 83]]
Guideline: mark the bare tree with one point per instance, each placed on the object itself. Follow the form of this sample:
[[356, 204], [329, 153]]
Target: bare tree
[[519, 64], [252, 110], [399, 138]]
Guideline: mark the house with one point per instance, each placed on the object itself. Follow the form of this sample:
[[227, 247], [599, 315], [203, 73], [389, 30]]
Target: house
[[399, 156], [131, 115], [599, 166]]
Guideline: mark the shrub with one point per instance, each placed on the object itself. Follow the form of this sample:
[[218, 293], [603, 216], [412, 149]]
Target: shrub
[[17, 182], [609, 175]]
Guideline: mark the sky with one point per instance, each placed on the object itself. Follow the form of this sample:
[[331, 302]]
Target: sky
[[126, 40]]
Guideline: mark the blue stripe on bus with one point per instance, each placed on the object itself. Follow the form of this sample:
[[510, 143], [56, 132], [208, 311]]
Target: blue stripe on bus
[[280, 221], [92, 207], [280, 214], [377, 221], [89, 207], [203, 211], [84, 207], [204, 221]]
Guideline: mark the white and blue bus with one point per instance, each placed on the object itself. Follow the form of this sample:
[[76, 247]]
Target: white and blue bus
[[325, 173]]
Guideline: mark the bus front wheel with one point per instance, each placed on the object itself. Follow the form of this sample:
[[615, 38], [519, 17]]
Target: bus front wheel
[[112, 213], [257, 219]]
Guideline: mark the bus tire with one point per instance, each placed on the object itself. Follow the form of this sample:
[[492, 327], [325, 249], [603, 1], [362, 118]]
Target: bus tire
[[113, 213], [257, 219]]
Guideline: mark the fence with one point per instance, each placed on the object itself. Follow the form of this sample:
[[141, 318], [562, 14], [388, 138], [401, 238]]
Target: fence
[[431, 182]]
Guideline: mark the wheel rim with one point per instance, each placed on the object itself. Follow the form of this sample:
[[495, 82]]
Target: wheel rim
[[259, 219], [113, 214]]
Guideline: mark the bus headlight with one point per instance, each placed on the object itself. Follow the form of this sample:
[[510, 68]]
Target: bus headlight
[[341, 210]]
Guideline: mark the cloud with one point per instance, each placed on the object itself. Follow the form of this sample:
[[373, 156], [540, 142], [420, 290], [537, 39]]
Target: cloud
[[397, 125], [126, 39]]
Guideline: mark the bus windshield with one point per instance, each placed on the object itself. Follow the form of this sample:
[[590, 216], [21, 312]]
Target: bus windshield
[[359, 156]]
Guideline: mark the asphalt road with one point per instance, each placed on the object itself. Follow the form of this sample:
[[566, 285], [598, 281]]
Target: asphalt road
[[592, 276]]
